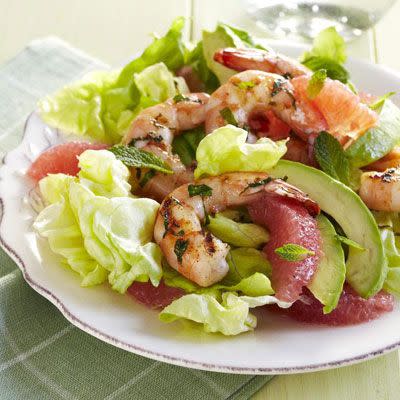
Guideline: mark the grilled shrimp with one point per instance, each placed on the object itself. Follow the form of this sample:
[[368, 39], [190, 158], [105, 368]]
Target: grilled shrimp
[[250, 94], [381, 190], [262, 60], [186, 244], [154, 129], [335, 108]]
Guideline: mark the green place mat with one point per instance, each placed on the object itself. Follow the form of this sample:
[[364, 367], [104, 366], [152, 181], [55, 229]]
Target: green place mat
[[43, 356]]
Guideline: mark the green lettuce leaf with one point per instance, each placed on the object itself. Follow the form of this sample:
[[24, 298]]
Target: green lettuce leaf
[[169, 49], [230, 316], [102, 105], [250, 283], [226, 150], [389, 225], [97, 226], [185, 145], [157, 82], [236, 233], [198, 62], [329, 53], [103, 174], [58, 224]]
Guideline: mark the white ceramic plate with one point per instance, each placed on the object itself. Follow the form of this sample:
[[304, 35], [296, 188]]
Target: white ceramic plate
[[277, 346]]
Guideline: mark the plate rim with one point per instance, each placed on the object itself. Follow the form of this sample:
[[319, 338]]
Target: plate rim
[[180, 361]]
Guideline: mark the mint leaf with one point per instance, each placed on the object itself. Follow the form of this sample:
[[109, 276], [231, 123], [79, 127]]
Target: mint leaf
[[350, 242], [134, 157], [332, 158], [180, 248], [199, 190], [328, 52], [180, 97], [228, 116], [378, 104], [316, 83], [293, 252]]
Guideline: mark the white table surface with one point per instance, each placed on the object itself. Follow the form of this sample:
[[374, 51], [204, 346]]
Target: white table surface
[[113, 31]]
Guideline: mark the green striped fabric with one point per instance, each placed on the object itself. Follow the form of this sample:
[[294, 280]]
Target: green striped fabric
[[43, 356]]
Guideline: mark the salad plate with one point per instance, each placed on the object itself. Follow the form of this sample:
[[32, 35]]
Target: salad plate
[[277, 346]]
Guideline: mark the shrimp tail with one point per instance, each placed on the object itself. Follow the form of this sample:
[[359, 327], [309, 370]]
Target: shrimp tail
[[239, 59]]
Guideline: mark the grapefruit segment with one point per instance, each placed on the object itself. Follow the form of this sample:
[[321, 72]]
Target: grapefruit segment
[[345, 114], [62, 158], [351, 309], [154, 297], [288, 222]]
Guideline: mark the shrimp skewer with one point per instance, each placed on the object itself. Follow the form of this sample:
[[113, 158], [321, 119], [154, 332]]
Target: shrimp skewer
[[154, 130], [187, 246], [262, 60]]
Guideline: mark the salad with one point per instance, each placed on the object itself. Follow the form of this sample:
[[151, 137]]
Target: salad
[[220, 176]]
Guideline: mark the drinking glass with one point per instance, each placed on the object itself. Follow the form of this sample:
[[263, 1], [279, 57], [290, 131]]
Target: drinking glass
[[306, 18]]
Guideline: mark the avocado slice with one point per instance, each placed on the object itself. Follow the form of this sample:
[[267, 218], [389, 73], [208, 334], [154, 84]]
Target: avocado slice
[[379, 140], [365, 270], [327, 282], [212, 41]]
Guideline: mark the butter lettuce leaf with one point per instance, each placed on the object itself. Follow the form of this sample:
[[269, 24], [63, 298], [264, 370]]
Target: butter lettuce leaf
[[226, 150], [389, 226], [103, 174], [57, 223], [329, 53], [102, 105], [99, 229], [250, 283], [229, 316]]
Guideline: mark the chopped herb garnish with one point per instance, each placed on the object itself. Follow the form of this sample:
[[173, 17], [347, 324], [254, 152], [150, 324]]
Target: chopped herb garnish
[[228, 116], [180, 97], [138, 173], [246, 85], [147, 176], [134, 157], [293, 252], [261, 182], [180, 248], [277, 87], [349, 242], [199, 190], [316, 83], [203, 191], [181, 232]]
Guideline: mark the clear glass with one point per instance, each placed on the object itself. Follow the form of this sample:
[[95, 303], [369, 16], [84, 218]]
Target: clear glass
[[306, 18]]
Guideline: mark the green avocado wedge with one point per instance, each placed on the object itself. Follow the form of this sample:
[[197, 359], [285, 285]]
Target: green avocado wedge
[[365, 270], [327, 282], [213, 41], [379, 140]]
